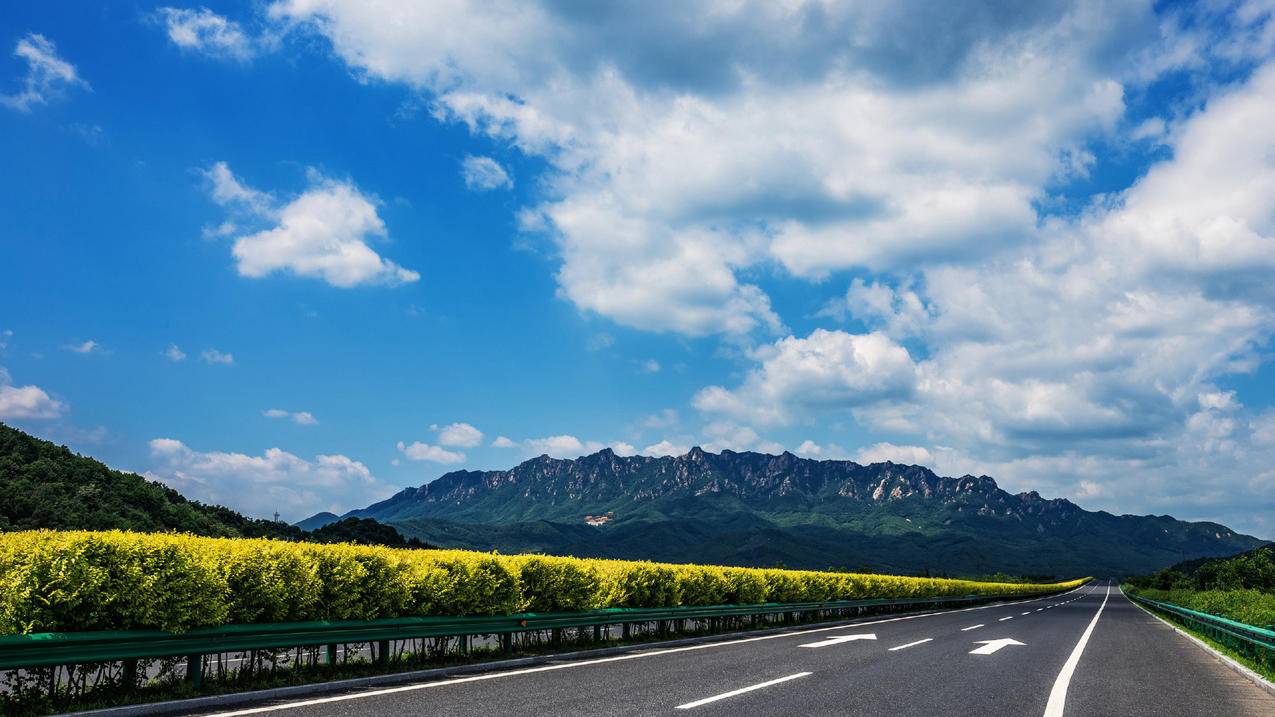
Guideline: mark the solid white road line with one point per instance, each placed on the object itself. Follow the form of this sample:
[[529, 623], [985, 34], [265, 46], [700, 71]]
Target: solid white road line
[[595, 661], [1058, 695], [740, 691], [971, 627], [911, 644]]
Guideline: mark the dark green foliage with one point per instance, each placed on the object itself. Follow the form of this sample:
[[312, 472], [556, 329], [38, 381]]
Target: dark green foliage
[[43, 485], [1253, 570], [363, 531]]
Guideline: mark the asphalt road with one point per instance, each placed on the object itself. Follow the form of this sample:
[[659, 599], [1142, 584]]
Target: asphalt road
[[1089, 652]]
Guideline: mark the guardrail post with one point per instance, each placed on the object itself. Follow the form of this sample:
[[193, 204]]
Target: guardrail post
[[128, 675], [195, 670], [507, 642], [462, 644], [597, 633], [383, 653], [555, 637], [332, 654], [625, 630]]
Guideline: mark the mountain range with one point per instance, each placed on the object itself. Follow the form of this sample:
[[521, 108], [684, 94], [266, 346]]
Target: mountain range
[[759, 509]]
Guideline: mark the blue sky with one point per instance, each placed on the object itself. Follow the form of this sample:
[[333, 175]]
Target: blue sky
[[294, 255]]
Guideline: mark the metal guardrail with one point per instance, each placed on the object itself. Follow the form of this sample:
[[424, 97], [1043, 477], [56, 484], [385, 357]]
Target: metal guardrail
[[1255, 643], [69, 648]]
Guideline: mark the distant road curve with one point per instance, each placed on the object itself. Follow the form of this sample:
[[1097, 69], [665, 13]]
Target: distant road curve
[[1089, 652]]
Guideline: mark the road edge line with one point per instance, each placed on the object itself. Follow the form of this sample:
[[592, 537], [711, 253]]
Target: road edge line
[[1247, 672], [1058, 695]]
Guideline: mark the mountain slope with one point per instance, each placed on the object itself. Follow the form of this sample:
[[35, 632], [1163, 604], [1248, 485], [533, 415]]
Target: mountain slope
[[756, 509]]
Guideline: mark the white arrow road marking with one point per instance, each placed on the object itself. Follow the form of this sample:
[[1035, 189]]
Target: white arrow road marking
[[991, 646], [838, 639], [971, 627], [911, 644], [740, 691]]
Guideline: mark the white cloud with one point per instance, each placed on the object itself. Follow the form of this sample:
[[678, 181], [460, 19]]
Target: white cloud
[[87, 347], [930, 135], [213, 356], [828, 369], [174, 354], [665, 448], [303, 418], [418, 451], [458, 435], [561, 446], [810, 449], [600, 341], [208, 33], [26, 402], [274, 480], [882, 452], [47, 77], [322, 233], [503, 442], [723, 435], [623, 449], [650, 366], [484, 174]]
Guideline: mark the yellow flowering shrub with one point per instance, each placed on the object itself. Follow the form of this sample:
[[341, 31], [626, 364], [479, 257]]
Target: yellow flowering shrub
[[53, 581]]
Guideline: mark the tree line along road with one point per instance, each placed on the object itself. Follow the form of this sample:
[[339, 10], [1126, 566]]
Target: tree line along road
[[1087, 652]]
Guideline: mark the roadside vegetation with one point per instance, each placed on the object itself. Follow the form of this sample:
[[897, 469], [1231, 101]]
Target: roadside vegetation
[[1241, 587], [115, 580]]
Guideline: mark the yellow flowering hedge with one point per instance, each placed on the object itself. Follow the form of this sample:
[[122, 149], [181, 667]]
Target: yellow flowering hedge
[[53, 581]]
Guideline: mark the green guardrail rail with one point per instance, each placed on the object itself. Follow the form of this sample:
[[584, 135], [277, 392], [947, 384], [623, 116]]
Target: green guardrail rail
[[1255, 643], [71, 648]]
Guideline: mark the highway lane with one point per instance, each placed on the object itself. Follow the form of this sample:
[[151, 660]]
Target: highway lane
[[1006, 659]]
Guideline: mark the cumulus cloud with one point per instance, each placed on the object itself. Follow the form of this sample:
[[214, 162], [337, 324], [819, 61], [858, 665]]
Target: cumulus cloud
[[484, 174], [723, 435], [26, 402], [561, 446], [322, 233], [503, 442], [303, 418], [828, 369], [204, 31], [458, 435], [213, 356], [273, 481], [930, 135], [174, 354], [666, 448], [882, 452], [48, 76], [419, 451]]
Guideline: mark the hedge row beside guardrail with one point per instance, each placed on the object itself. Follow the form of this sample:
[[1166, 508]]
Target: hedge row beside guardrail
[[1251, 641], [1252, 607], [54, 581]]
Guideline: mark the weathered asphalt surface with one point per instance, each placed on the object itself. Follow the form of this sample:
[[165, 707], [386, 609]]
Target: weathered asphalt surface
[[1131, 665]]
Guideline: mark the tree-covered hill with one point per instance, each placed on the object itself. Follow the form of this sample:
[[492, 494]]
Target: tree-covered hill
[[44, 485]]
